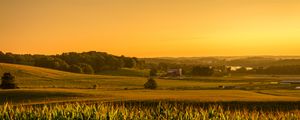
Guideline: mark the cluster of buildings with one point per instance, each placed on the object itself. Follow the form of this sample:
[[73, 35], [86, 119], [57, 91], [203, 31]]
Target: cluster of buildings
[[173, 73], [218, 71]]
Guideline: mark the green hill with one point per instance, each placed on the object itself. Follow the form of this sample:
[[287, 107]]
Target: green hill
[[41, 85], [36, 77]]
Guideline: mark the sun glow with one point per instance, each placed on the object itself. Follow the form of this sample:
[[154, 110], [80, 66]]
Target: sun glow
[[151, 28]]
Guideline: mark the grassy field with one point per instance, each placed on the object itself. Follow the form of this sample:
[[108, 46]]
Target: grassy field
[[40, 85], [126, 72]]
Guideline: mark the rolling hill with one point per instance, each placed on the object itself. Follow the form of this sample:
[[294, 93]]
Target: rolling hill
[[41, 85]]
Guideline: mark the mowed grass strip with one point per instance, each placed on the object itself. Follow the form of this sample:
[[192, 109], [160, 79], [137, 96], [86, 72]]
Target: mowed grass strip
[[199, 95], [38, 96], [294, 93], [35, 96]]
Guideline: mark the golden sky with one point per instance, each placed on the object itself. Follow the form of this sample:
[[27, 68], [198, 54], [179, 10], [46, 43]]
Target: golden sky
[[151, 28]]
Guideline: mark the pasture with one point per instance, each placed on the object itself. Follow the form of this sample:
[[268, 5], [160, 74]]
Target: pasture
[[40, 85], [51, 94]]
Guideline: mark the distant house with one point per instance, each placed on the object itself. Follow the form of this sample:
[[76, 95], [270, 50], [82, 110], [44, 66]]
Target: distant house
[[290, 82], [174, 72], [235, 68]]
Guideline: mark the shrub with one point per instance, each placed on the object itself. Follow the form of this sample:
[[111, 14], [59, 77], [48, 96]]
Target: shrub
[[150, 84], [8, 81], [95, 86]]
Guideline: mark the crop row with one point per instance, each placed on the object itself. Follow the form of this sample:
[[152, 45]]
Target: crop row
[[123, 111]]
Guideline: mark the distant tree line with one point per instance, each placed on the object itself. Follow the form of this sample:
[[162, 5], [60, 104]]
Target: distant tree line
[[85, 62], [187, 69], [221, 70], [278, 70], [259, 61], [94, 62]]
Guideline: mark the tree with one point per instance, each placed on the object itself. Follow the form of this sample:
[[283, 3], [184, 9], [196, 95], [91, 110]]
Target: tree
[[150, 84], [7, 58], [44, 61], [202, 71], [153, 72], [129, 62], [75, 69], [24, 59], [163, 66], [141, 64], [52, 62], [86, 68], [98, 61], [62, 65], [8, 81]]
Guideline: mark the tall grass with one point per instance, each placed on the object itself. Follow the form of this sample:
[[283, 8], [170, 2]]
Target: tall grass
[[137, 111]]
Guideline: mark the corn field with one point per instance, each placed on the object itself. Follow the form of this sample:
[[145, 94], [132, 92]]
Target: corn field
[[147, 111]]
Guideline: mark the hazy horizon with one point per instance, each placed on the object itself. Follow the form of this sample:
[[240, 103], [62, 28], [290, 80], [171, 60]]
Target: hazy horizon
[[152, 28], [157, 56]]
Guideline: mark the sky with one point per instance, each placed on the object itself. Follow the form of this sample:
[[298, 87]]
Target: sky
[[151, 28]]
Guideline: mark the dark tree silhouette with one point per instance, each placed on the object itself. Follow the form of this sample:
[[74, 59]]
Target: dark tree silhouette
[[8, 81], [86, 68], [153, 72], [202, 71], [75, 69], [150, 84], [96, 61]]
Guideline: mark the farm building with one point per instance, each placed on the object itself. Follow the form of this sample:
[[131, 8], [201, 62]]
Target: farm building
[[174, 72]]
